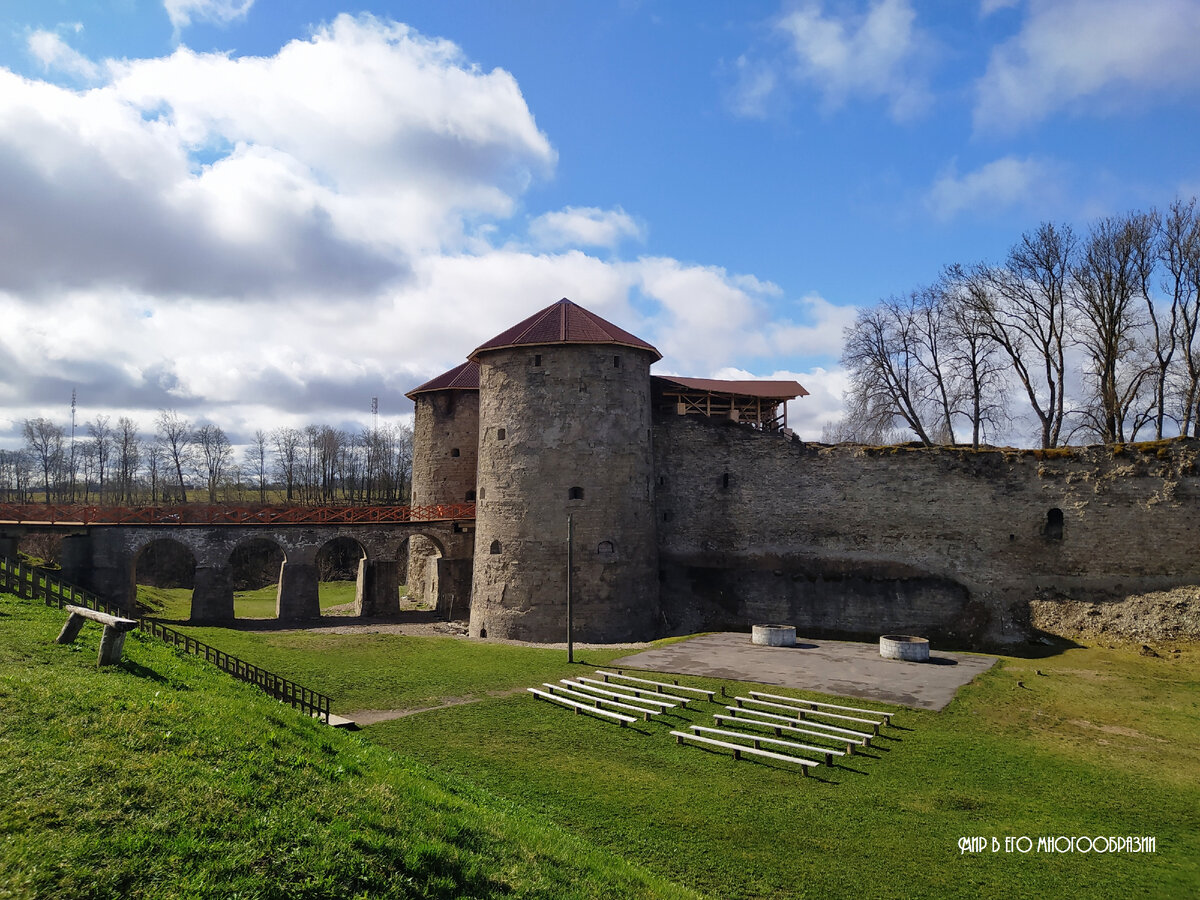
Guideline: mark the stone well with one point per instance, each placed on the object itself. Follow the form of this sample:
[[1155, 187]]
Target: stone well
[[774, 635], [904, 646]]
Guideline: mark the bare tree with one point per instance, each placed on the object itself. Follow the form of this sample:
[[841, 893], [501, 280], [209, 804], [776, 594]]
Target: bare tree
[[975, 359], [102, 449], [155, 462], [128, 450], [44, 441], [1179, 252], [175, 438], [1023, 307], [287, 443], [1113, 278], [256, 462], [215, 454]]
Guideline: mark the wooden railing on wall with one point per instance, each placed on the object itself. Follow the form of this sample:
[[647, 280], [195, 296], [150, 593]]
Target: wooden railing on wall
[[75, 514]]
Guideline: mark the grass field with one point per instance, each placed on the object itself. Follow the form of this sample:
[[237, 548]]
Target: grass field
[[163, 778], [1101, 742], [176, 603]]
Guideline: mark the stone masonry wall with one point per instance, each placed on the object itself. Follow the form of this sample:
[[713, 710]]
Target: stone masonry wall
[[951, 543]]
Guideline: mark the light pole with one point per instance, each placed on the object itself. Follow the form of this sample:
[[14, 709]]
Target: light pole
[[570, 566]]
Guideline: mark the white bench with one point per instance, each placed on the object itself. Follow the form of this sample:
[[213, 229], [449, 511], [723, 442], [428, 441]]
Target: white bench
[[579, 707], [739, 749], [788, 720], [708, 695], [806, 713], [631, 692], [755, 740], [112, 641], [790, 729], [887, 717], [598, 701]]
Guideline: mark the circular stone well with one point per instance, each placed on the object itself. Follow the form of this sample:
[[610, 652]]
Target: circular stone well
[[774, 635], [904, 646]]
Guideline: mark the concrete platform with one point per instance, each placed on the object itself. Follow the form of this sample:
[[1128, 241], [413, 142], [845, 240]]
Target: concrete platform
[[842, 668]]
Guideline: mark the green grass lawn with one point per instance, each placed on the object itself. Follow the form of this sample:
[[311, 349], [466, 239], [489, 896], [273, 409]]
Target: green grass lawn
[[176, 603], [164, 778]]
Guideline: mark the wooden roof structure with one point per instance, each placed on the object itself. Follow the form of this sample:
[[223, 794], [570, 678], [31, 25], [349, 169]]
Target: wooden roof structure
[[460, 378], [564, 322], [760, 404]]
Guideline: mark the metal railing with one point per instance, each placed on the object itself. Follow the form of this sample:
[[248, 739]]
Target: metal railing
[[37, 584], [196, 514]]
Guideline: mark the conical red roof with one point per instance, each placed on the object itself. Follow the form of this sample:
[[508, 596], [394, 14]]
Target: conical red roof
[[564, 322], [460, 378]]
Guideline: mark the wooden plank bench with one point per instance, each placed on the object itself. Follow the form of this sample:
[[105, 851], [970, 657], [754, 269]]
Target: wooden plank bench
[[112, 641], [788, 720], [850, 743], [887, 717], [620, 718], [651, 698], [739, 749], [826, 753], [708, 695], [600, 701], [802, 713]]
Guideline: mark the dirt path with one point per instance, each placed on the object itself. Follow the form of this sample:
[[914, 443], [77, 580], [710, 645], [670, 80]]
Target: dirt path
[[364, 717]]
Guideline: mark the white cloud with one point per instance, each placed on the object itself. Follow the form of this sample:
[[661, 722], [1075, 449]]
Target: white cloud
[[879, 54], [987, 7], [755, 83], [1001, 184], [220, 12], [54, 53], [584, 226], [1094, 55]]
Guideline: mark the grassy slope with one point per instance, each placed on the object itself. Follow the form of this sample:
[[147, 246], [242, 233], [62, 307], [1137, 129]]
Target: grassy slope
[[164, 778], [176, 603], [1105, 743]]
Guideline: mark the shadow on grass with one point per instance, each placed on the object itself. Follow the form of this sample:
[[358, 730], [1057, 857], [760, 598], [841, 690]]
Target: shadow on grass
[[139, 671], [408, 617]]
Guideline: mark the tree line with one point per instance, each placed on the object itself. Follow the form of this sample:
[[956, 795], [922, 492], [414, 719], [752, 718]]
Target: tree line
[[1097, 337], [117, 464]]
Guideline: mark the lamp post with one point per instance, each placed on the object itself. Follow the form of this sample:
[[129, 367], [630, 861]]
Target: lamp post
[[570, 566]]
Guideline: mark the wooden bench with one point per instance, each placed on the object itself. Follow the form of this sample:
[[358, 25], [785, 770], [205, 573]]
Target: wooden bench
[[790, 729], [789, 720], [708, 695], [620, 718], [887, 717], [599, 687], [826, 753], [599, 701], [112, 641], [802, 713], [739, 749]]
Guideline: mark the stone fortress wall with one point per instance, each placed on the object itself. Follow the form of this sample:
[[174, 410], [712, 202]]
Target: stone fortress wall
[[946, 542]]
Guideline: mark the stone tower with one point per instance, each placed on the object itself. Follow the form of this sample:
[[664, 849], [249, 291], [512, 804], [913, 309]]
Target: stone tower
[[564, 429], [445, 450]]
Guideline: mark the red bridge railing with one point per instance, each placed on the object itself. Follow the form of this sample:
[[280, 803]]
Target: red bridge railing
[[27, 514]]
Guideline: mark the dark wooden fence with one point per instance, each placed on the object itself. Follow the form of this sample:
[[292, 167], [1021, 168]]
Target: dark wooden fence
[[37, 584]]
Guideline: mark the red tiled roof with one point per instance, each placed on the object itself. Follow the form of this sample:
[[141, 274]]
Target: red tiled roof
[[768, 390], [564, 322], [460, 378]]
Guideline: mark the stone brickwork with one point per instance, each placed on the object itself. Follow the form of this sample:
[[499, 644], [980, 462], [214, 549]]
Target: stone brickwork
[[446, 444], [946, 542], [565, 429]]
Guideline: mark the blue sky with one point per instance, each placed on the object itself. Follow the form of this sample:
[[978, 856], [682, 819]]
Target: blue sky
[[264, 213]]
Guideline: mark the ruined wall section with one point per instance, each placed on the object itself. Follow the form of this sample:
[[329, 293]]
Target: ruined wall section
[[565, 429], [947, 542], [445, 456]]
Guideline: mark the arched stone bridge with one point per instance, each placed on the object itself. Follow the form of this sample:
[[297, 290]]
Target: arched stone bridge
[[101, 546]]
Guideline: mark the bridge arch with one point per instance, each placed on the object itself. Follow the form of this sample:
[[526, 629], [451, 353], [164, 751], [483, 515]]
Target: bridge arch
[[165, 567], [255, 564]]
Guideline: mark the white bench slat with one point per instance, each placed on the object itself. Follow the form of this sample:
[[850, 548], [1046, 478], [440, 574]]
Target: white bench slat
[[659, 705], [825, 752], [791, 729], [805, 713], [887, 717], [738, 749], [675, 687], [794, 721], [647, 713], [593, 684], [579, 707]]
